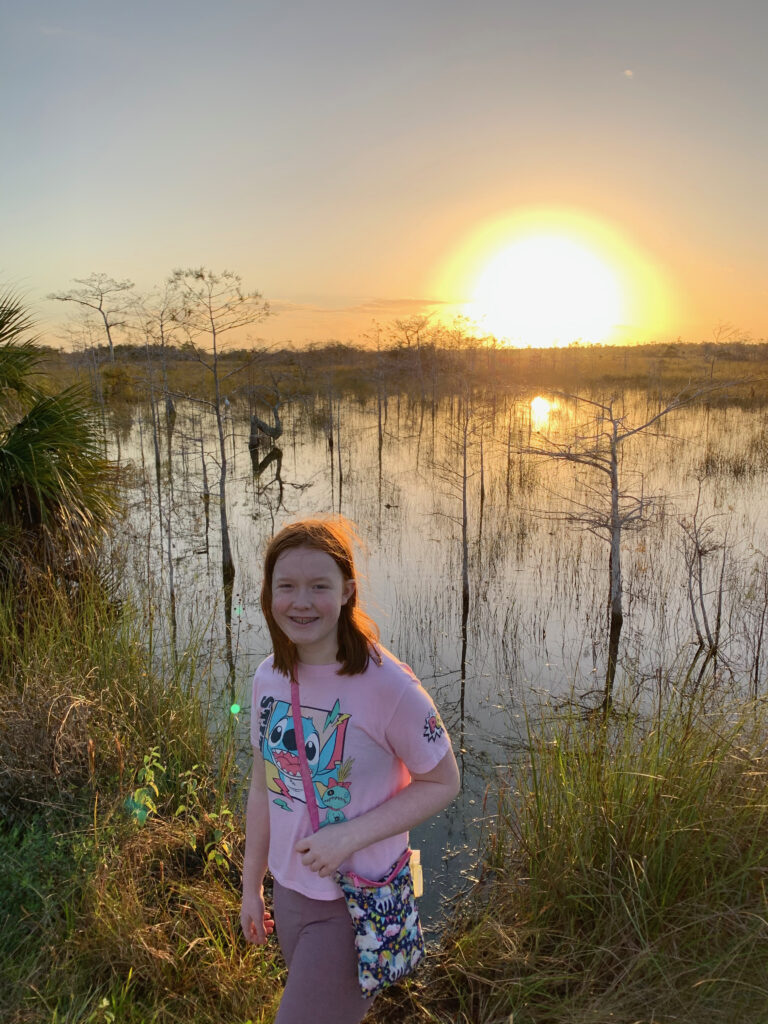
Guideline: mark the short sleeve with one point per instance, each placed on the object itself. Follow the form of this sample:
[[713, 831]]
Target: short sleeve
[[416, 733]]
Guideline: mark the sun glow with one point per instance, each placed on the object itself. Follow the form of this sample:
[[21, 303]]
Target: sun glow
[[540, 411], [547, 290], [554, 277]]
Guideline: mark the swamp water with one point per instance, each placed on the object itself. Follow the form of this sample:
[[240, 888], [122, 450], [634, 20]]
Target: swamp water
[[440, 494]]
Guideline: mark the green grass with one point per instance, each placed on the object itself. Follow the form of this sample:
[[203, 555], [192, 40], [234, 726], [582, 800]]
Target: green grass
[[625, 877]]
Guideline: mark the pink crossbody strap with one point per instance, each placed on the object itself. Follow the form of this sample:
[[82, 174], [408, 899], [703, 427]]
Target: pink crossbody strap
[[306, 778], [369, 883]]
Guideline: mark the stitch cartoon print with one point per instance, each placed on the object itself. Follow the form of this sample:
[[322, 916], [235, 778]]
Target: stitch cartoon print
[[324, 733]]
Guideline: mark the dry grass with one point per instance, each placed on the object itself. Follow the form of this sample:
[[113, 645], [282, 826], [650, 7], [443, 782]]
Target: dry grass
[[158, 910], [434, 370], [101, 914]]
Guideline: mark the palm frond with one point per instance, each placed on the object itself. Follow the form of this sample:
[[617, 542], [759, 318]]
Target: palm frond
[[15, 319], [55, 484], [17, 362], [57, 493], [18, 358]]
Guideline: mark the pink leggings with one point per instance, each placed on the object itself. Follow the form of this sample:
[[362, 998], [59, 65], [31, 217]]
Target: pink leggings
[[318, 942]]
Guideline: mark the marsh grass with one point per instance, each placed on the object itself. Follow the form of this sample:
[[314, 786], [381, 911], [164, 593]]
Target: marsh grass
[[624, 878], [119, 837], [439, 370], [623, 868]]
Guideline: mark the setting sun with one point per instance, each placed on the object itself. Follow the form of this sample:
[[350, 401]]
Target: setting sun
[[553, 276], [547, 290]]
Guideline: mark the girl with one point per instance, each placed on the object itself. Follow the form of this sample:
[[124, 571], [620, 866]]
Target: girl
[[379, 756]]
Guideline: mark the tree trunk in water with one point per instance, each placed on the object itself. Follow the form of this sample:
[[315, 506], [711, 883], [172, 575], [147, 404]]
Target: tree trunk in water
[[165, 516], [614, 634], [206, 494], [330, 446], [338, 450], [227, 561], [381, 452], [482, 495], [228, 578], [464, 575], [615, 610]]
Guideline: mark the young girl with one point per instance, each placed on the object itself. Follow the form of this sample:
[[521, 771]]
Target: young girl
[[379, 756]]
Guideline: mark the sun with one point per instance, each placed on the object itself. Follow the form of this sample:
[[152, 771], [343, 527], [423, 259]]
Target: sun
[[547, 289], [554, 276]]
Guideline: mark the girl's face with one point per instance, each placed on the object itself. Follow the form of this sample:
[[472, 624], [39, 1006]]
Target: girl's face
[[308, 591]]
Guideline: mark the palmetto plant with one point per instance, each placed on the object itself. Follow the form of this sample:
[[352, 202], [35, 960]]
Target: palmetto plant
[[56, 488]]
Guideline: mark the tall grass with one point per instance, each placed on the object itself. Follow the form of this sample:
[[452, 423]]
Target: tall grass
[[624, 881], [623, 871], [119, 834]]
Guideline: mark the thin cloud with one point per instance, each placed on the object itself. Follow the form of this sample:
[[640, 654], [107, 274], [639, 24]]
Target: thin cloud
[[385, 305], [371, 306]]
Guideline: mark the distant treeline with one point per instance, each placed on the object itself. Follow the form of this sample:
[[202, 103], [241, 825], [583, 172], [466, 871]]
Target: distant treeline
[[429, 370]]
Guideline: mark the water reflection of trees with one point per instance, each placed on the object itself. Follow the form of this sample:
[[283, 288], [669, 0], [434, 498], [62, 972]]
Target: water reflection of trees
[[465, 465], [274, 457]]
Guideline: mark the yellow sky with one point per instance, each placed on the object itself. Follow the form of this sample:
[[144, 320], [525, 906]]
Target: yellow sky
[[361, 163]]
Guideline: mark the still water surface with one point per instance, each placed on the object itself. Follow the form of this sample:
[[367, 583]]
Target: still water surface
[[537, 582]]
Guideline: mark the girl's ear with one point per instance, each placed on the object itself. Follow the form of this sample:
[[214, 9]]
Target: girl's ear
[[350, 586]]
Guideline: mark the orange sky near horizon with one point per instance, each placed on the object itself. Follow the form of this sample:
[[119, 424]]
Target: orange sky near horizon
[[556, 172]]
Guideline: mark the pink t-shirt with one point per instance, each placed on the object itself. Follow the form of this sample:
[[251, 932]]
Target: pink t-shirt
[[364, 735]]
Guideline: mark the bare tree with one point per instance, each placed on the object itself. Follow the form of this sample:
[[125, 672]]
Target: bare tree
[[456, 474], [610, 511], [409, 332], [108, 299], [158, 316], [209, 305]]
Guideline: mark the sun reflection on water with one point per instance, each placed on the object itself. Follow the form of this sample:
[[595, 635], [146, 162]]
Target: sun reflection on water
[[541, 409]]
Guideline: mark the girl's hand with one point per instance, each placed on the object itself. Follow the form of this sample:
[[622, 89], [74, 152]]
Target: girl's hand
[[324, 851], [255, 920]]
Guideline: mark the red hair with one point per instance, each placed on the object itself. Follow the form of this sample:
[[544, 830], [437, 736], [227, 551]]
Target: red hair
[[358, 634]]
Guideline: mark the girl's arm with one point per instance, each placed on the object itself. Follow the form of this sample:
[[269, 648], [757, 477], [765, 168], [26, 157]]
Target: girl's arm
[[255, 919], [423, 797]]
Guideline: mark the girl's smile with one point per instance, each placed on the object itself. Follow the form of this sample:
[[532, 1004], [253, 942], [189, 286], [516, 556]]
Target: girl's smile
[[308, 592]]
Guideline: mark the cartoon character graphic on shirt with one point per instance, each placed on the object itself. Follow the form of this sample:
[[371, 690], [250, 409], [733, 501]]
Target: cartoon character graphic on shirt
[[337, 795], [324, 733], [433, 726]]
